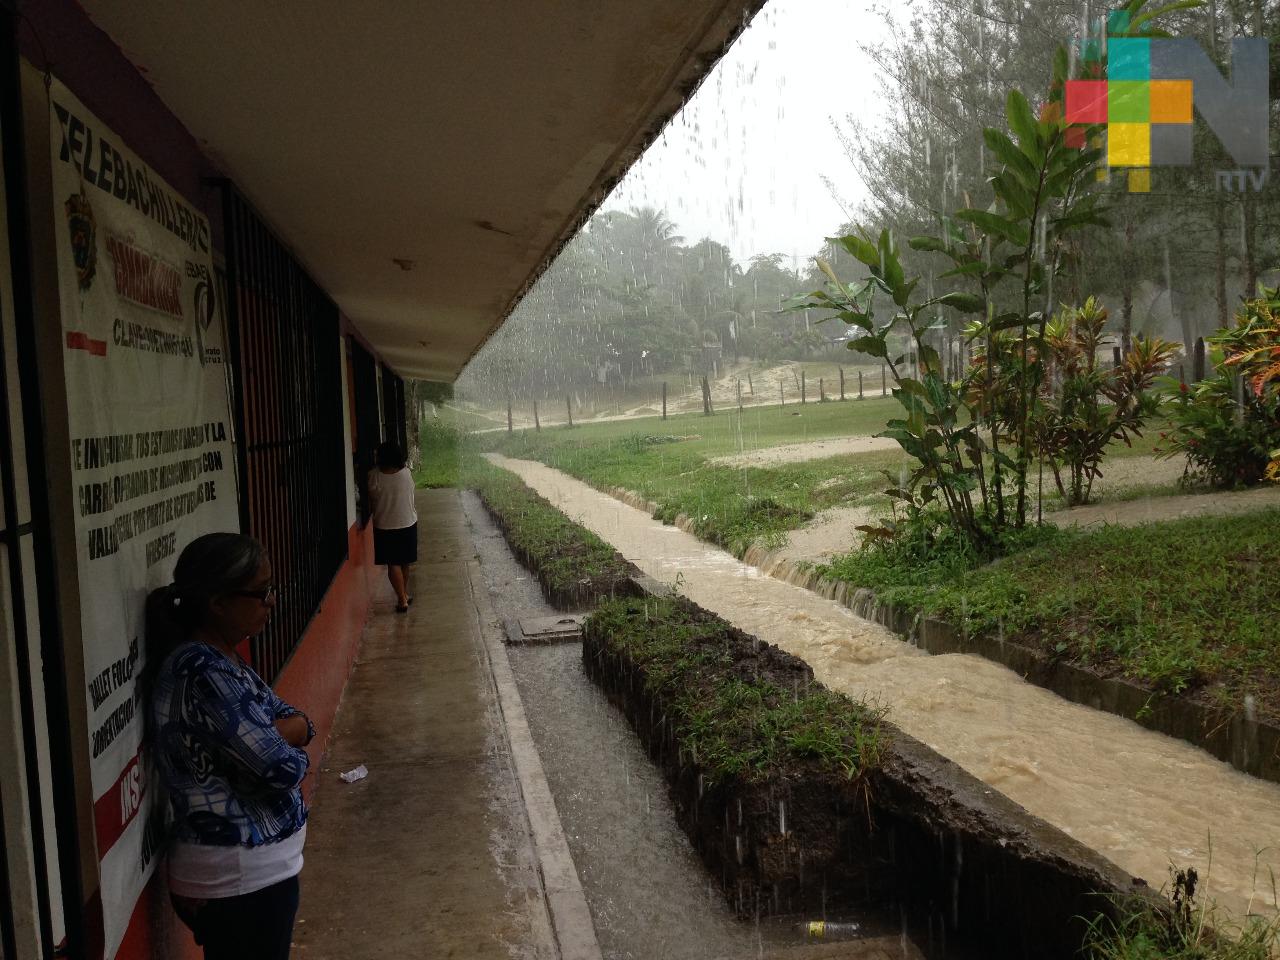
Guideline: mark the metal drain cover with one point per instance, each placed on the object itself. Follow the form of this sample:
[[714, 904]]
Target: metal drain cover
[[565, 628]]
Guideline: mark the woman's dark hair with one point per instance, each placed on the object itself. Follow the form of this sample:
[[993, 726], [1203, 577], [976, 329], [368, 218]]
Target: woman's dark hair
[[390, 455], [209, 566]]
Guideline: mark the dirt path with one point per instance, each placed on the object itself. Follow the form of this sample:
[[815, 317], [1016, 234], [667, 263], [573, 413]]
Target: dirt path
[[809, 450], [1131, 513], [833, 532]]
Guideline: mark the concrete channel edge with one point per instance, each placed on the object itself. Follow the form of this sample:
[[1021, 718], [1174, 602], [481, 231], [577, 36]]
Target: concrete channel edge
[[570, 917]]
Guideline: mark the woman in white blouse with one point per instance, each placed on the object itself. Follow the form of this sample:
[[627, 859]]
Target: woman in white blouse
[[395, 519]]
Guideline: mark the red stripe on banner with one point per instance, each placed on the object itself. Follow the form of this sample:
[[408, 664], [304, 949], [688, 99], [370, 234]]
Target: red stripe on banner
[[115, 809], [82, 341]]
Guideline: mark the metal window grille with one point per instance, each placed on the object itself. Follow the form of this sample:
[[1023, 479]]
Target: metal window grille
[[393, 407], [284, 343], [364, 374]]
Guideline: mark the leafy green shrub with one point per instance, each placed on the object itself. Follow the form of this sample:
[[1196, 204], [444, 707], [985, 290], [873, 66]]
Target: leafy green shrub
[[1083, 408], [1228, 426], [1227, 437]]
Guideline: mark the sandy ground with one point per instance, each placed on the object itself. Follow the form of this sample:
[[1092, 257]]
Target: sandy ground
[[809, 450], [833, 531]]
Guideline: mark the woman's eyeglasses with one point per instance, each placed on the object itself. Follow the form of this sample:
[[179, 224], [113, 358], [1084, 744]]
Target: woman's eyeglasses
[[265, 595]]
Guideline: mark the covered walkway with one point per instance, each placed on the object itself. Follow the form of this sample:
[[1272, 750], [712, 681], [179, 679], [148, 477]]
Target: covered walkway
[[434, 854]]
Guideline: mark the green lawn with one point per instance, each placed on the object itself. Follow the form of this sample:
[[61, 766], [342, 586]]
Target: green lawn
[[1189, 606], [724, 433], [667, 463], [461, 419], [440, 444]]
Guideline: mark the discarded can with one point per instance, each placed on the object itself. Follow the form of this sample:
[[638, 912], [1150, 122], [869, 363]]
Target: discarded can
[[826, 930]]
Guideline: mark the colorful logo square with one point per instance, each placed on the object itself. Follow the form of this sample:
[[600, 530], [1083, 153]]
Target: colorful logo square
[[1171, 101], [1086, 101], [1128, 101], [1129, 144], [1129, 58]]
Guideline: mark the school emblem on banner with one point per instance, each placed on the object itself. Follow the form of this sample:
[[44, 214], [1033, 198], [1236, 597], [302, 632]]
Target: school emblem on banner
[[84, 238]]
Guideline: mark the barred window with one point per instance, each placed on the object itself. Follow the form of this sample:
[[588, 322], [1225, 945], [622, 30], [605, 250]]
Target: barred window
[[393, 407], [286, 355]]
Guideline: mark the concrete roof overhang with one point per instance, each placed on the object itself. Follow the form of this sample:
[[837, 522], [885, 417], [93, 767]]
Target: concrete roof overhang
[[470, 137]]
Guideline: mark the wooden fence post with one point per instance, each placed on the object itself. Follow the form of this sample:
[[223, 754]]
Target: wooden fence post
[[537, 424], [707, 409], [782, 393], [508, 414], [804, 377], [751, 386], [739, 386], [1198, 368], [883, 391], [568, 406], [664, 399], [859, 384], [822, 390], [841, 369]]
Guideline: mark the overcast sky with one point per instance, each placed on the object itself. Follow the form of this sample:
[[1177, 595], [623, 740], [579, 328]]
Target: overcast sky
[[743, 162]]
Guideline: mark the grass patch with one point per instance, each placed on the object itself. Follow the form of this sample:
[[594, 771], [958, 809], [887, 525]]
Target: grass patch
[[441, 446], [572, 563], [1186, 607], [1189, 931], [726, 432], [730, 506], [733, 708], [461, 419]]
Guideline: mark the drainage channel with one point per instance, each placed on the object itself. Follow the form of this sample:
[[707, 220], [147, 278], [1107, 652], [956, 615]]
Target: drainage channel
[[1143, 800], [650, 896]]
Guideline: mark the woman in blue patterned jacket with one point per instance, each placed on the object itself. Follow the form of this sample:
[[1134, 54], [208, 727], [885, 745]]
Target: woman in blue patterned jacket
[[229, 752]]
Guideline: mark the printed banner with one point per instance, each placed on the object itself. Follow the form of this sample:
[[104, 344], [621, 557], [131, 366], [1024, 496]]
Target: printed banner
[[152, 464]]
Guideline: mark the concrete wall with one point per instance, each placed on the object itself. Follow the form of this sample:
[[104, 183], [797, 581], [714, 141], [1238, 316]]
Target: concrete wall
[[58, 35]]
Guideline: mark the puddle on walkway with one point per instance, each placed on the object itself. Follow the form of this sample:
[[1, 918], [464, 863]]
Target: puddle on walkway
[[649, 893], [1142, 799]]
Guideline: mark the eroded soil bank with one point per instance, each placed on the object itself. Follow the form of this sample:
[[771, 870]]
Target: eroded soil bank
[[900, 828], [1141, 799]]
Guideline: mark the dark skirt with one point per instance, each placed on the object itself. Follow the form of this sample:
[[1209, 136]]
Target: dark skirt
[[395, 547]]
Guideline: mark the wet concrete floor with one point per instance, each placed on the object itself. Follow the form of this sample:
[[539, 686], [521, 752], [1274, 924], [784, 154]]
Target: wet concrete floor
[[430, 855], [433, 854]]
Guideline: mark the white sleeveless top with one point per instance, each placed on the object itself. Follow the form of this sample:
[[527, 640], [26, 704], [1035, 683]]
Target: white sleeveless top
[[208, 872], [392, 496]]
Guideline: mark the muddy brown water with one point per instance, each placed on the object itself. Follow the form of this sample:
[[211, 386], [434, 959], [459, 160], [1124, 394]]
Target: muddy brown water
[[650, 896], [1142, 799]]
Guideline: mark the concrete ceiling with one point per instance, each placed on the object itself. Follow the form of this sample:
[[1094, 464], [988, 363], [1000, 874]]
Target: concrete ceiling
[[470, 137]]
